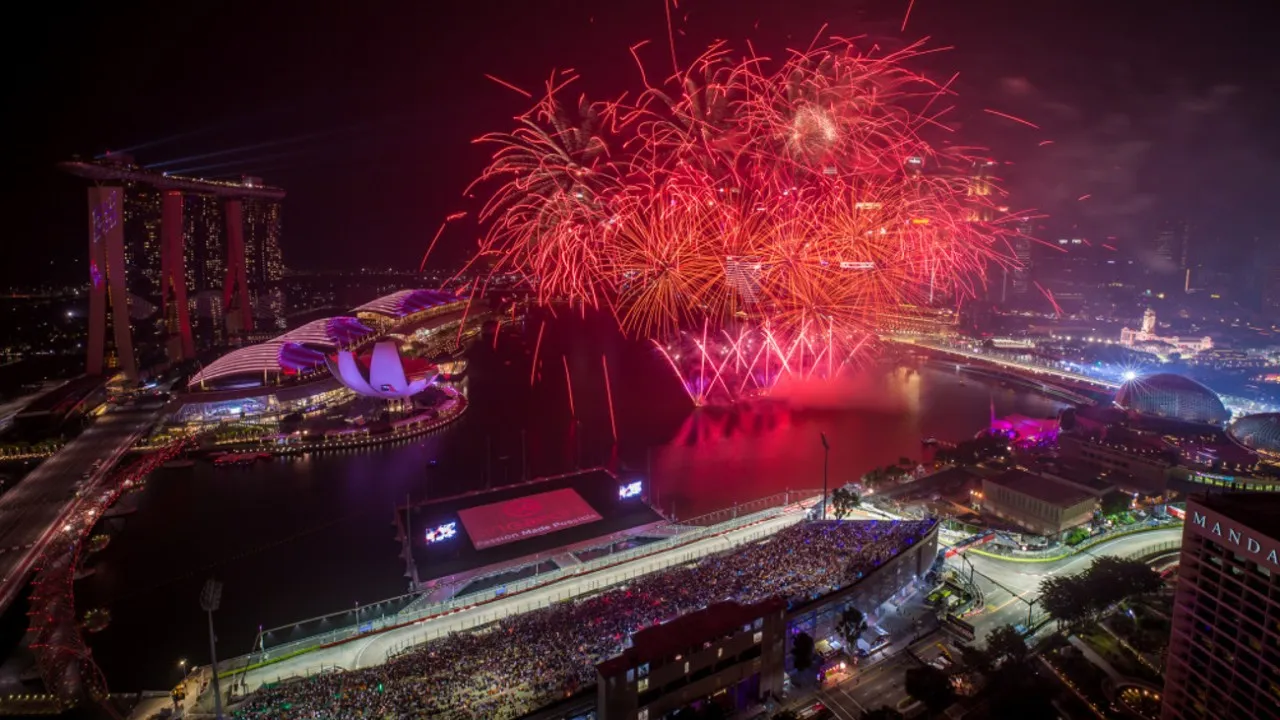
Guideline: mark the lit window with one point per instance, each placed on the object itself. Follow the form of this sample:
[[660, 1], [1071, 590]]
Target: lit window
[[757, 637], [642, 685]]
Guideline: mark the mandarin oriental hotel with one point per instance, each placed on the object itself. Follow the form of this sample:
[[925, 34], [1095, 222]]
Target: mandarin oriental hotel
[[1224, 652]]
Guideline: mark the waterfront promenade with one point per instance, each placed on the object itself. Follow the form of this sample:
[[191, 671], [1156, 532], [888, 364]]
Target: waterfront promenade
[[33, 512]]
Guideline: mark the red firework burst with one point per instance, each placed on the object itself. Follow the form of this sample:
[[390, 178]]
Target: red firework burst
[[775, 210]]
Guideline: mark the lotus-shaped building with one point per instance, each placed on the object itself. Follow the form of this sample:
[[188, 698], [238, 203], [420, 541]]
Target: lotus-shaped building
[[382, 375]]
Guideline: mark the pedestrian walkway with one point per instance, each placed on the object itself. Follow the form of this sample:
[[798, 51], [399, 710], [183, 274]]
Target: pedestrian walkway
[[1092, 656]]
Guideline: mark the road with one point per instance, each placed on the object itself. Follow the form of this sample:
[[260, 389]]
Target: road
[[882, 683], [373, 650], [1003, 582], [32, 511], [9, 410], [876, 686], [1004, 362]]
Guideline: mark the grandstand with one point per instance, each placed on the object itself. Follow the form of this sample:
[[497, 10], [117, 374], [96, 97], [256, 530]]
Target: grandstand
[[527, 661]]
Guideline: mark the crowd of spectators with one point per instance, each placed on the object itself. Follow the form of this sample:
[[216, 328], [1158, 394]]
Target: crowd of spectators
[[529, 660]]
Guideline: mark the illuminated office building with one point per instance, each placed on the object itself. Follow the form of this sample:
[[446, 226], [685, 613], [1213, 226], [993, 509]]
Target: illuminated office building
[[263, 262], [142, 239], [1224, 652]]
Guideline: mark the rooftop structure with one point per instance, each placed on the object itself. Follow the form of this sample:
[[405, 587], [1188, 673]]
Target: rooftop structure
[[1146, 338], [1041, 504], [403, 303], [727, 651], [141, 241], [294, 353], [304, 350], [1174, 397], [1259, 433], [120, 167], [1040, 487]]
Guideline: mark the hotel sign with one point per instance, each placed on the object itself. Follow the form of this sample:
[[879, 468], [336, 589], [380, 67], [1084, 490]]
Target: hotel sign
[[1227, 533]]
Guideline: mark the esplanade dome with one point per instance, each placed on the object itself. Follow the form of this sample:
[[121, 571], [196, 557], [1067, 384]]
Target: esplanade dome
[[1260, 433], [1171, 396]]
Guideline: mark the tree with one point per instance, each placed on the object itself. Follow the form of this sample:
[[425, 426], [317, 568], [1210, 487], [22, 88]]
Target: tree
[[884, 713], [843, 502], [930, 686], [1115, 502], [976, 659], [1006, 645], [852, 623], [802, 651], [1016, 692], [1066, 599], [1111, 579], [1108, 581], [905, 462]]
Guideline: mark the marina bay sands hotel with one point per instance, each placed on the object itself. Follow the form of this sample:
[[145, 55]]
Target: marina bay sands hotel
[[166, 250]]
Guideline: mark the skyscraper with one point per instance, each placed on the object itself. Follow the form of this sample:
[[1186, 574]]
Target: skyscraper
[[981, 188], [144, 249], [1172, 249], [1224, 652], [142, 240], [262, 259], [203, 245]]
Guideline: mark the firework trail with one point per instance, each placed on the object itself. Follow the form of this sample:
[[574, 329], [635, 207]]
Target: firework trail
[[781, 206]]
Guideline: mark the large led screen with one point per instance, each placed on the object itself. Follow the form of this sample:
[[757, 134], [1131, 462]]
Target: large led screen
[[525, 517]]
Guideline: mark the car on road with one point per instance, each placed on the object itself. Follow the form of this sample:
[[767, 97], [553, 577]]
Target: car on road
[[816, 711]]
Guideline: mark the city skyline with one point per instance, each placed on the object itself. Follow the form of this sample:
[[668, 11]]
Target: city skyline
[[652, 360], [359, 133]]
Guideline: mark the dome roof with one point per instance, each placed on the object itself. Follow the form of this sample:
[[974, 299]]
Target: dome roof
[[1174, 397], [1260, 433]]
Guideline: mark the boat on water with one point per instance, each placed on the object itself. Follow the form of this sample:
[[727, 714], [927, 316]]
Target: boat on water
[[240, 458]]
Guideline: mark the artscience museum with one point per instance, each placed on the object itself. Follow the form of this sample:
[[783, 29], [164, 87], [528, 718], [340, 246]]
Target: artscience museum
[[389, 349]]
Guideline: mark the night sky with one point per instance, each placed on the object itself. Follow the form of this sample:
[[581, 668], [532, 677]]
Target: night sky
[[1157, 110]]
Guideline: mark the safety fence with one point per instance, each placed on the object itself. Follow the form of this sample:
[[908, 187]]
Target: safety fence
[[267, 654], [1163, 548], [567, 593], [1058, 553]]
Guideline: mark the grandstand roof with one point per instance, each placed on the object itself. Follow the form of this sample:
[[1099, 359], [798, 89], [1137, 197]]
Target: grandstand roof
[[407, 302]]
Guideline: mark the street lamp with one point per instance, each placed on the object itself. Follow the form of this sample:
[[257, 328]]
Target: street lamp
[[826, 456], [210, 598]]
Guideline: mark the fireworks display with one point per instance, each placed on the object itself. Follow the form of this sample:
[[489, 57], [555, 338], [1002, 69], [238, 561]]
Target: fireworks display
[[754, 217]]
